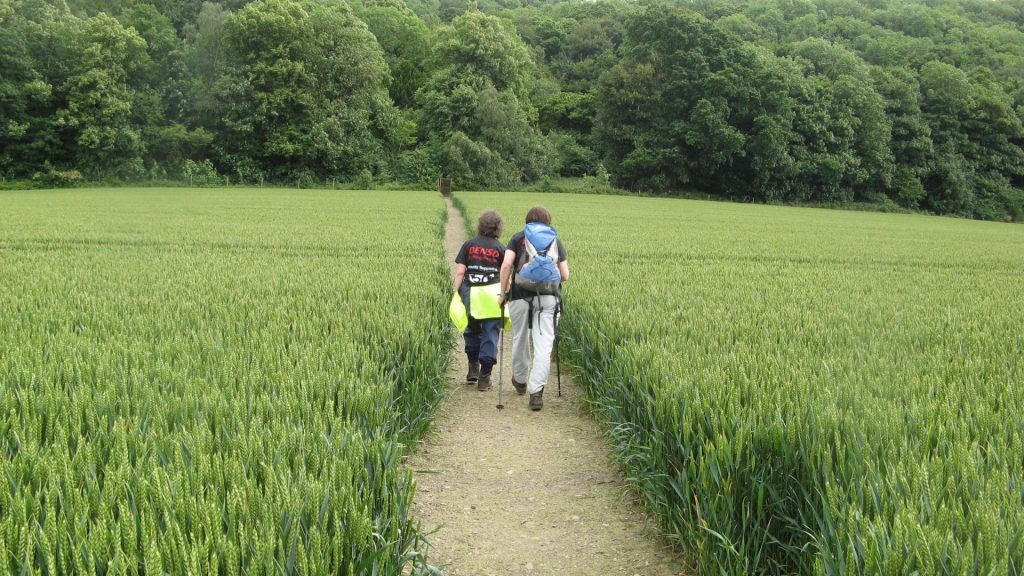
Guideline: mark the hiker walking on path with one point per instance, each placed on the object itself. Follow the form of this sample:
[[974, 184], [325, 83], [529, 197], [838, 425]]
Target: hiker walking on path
[[534, 301], [477, 274]]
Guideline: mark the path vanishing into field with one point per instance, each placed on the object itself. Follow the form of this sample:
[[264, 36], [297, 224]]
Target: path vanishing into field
[[519, 492]]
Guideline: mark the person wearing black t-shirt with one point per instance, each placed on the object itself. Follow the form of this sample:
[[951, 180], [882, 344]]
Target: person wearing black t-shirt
[[533, 316], [477, 274]]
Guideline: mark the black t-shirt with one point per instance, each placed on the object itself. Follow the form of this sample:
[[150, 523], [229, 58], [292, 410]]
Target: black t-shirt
[[482, 257], [518, 245]]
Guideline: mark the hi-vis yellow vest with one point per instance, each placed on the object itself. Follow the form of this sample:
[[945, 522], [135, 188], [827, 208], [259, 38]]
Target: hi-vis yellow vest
[[485, 301], [457, 312]]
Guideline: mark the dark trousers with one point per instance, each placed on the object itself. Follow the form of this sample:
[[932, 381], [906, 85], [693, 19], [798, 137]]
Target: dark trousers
[[482, 342]]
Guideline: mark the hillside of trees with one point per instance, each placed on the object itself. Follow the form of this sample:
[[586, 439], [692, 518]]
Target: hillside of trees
[[894, 102]]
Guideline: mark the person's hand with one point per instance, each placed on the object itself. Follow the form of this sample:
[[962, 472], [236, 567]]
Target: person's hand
[[504, 299]]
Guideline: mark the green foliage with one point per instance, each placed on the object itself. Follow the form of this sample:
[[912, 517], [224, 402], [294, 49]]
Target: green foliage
[[52, 178], [405, 40], [364, 180], [481, 45], [166, 78], [416, 167], [574, 158], [798, 391], [205, 56], [448, 10], [476, 112], [82, 85], [570, 112], [207, 382], [691, 103], [473, 164], [99, 94], [200, 172], [21, 90], [306, 91], [844, 102], [908, 191], [172, 147], [667, 114]]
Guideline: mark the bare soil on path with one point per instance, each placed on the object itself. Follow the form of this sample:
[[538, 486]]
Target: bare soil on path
[[515, 492]]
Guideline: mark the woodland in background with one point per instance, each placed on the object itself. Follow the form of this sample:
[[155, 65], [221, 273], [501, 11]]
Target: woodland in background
[[911, 104]]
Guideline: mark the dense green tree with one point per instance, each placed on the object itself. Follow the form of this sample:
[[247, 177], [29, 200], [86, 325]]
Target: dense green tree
[[36, 59], [915, 102], [405, 40], [428, 10], [509, 128], [541, 31], [679, 108], [741, 26], [948, 102], [910, 142], [475, 108], [181, 13], [448, 10], [21, 90], [590, 46], [576, 42], [205, 59], [484, 46], [166, 73], [105, 65], [850, 147], [994, 127], [160, 108], [306, 93], [567, 111], [770, 169]]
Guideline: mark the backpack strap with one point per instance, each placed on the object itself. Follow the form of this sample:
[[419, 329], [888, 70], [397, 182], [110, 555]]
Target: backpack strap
[[540, 309], [529, 314], [521, 256]]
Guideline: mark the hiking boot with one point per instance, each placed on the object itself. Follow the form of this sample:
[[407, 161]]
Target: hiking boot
[[484, 383], [537, 400], [519, 386], [474, 372]]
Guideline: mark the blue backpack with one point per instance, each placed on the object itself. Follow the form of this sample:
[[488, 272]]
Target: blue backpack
[[539, 273]]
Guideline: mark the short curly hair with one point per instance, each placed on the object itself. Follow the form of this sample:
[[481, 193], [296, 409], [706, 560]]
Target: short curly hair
[[490, 224]]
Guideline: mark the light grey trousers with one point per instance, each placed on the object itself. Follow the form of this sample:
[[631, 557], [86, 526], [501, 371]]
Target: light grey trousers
[[542, 335]]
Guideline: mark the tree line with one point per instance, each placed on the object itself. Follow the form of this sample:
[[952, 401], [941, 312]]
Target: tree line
[[916, 104]]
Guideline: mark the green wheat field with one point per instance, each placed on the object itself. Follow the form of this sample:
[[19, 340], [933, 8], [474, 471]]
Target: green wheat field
[[215, 381], [804, 391], [224, 381]]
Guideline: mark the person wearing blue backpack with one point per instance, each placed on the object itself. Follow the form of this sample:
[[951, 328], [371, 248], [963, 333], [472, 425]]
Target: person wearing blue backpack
[[532, 272]]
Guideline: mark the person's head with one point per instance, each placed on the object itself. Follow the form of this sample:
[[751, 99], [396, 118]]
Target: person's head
[[490, 224], [539, 214]]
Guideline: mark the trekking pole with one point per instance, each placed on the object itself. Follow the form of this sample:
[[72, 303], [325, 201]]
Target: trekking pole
[[558, 350], [501, 353]]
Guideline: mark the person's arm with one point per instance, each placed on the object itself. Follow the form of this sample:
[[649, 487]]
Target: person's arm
[[460, 273], [506, 274], [563, 262]]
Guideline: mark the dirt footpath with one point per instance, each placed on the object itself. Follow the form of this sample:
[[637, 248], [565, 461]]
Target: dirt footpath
[[518, 492]]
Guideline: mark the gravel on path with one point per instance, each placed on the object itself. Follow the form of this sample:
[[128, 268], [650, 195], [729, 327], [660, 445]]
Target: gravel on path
[[515, 492]]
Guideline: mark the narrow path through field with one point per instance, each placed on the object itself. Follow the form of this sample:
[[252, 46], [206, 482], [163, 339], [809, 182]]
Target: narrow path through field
[[518, 492]]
